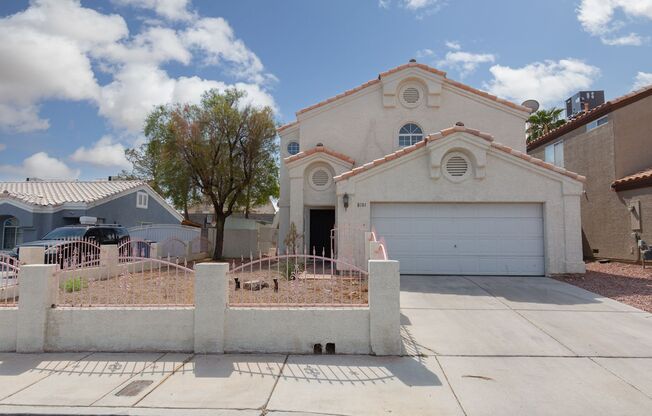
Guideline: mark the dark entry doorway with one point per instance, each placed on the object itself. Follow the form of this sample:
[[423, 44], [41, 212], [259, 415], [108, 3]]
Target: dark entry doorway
[[322, 221]]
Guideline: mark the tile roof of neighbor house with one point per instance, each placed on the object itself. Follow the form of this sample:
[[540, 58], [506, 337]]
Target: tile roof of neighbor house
[[637, 180], [447, 132], [319, 149], [591, 115], [53, 193], [399, 68]]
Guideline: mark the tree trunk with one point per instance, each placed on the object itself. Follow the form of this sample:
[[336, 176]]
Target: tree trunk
[[247, 205], [185, 210], [220, 219]]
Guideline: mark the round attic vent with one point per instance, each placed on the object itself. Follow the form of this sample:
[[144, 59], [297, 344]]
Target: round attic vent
[[411, 95], [320, 178], [457, 166]]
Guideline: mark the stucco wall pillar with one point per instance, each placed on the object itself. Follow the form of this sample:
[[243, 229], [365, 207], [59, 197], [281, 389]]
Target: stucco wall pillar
[[31, 255], [211, 297], [38, 289], [109, 259], [384, 307], [574, 262]]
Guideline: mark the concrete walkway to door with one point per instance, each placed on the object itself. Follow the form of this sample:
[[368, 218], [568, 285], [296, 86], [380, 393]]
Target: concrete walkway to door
[[474, 346]]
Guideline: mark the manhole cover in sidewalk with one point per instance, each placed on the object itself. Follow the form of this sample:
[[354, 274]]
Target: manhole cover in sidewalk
[[135, 387]]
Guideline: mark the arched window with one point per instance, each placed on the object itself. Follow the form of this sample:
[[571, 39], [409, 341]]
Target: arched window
[[9, 233], [409, 134], [293, 148]]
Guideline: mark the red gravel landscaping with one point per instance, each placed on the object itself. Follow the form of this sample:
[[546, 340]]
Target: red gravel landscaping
[[626, 283]]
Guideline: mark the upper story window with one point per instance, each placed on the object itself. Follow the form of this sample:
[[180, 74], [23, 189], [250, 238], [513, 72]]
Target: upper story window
[[597, 123], [142, 200], [555, 154], [293, 148], [409, 134]]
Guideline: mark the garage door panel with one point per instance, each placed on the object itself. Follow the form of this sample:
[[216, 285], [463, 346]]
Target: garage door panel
[[463, 238]]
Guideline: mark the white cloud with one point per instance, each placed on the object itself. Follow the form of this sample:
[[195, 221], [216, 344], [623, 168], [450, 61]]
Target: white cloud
[[598, 19], [419, 4], [40, 165], [384, 4], [50, 50], [425, 53], [169, 9], [105, 152], [464, 62], [215, 38], [642, 80], [628, 40], [548, 82]]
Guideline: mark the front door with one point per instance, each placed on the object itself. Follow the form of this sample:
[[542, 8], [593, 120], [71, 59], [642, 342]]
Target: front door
[[322, 221]]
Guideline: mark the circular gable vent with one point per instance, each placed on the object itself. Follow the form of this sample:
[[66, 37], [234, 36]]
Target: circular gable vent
[[457, 166], [411, 95], [320, 178]]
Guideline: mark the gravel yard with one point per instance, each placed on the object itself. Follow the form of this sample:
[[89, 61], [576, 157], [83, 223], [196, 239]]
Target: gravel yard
[[626, 283]]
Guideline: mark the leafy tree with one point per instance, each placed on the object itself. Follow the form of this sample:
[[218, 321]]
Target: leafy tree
[[542, 122], [165, 171], [222, 146]]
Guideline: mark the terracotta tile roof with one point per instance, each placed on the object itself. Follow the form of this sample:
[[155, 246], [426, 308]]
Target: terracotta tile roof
[[591, 115], [319, 149], [447, 132], [286, 126], [53, 193], [400, 68], [637, 180]]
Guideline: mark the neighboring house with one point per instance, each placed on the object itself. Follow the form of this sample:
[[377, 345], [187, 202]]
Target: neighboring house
[[612, 146], [457, 201], [30, 209]]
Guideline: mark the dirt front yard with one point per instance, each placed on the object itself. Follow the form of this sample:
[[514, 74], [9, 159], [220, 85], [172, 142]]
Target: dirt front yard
[[626, 283]]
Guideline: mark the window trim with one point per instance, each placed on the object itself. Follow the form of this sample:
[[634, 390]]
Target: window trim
[[145, 201], [555, 154], [409, 135]]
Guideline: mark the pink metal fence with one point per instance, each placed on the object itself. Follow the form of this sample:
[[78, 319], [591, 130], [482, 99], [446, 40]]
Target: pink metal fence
[[72, 252], [172, 247], [298, 280], [125, 281], [134, 248], [9, 268]]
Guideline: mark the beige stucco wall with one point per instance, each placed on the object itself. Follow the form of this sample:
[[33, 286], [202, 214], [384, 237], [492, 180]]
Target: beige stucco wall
[[507, 178], [365, 125], [633, 135]]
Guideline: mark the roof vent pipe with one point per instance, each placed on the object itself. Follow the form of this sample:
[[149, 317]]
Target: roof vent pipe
[[413, 60], [459, 123]]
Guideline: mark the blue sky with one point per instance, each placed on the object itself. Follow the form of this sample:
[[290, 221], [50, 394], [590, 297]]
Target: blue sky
[[78, 77]]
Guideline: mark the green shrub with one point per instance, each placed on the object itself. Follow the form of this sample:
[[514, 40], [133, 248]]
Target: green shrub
[[74, 285]]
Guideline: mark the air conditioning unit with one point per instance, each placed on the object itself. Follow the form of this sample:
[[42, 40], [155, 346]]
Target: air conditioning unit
[[88, 220]]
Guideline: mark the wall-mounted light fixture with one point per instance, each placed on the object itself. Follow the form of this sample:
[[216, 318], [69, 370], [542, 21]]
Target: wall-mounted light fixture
[[345, 200]]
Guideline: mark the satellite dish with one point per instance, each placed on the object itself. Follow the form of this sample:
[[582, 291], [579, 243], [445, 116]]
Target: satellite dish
[[531, 104]]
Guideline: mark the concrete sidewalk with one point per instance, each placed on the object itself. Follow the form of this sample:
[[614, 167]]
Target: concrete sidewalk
[[473, 346]]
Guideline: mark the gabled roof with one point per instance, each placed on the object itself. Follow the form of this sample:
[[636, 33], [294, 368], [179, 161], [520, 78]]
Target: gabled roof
[[638, 180], [53, 193], [591, 115], [447, 132], [319, 149], [400, 68]]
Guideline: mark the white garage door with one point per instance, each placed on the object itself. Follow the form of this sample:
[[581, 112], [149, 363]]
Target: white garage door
[[472, 239]]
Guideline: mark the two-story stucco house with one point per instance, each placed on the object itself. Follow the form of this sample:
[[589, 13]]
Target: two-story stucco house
[[438, 170], [30, 209]]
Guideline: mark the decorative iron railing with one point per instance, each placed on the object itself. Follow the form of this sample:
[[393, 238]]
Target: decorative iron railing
[[9, 268], [130, 281], [298, 280]]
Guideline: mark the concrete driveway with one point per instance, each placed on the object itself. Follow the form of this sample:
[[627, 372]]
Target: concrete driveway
[[474, 346]]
